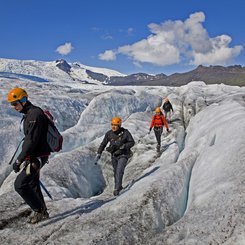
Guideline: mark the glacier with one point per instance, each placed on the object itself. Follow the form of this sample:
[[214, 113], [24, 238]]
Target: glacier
[[193, 193]]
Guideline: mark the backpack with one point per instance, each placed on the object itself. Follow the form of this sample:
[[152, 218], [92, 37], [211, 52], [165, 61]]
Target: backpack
[[54, 138]]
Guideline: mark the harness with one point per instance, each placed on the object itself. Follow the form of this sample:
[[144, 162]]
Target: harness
[[118, 137], [115, 144]]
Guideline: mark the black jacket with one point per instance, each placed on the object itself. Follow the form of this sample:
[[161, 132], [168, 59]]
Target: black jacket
[[35, 130], [120, 142], [167, 106]]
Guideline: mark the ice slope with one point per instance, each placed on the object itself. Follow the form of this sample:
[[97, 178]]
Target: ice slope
[[193, 193]]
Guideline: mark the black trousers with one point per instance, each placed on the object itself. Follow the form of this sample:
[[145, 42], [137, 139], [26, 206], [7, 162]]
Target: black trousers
[[158, 133], [119, 163], [28, 187]]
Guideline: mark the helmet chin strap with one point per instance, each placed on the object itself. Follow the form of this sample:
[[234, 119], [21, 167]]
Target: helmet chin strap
[[23, 105]]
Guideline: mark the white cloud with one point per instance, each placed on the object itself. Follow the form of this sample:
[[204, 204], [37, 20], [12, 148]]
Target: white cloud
[[107, 55], [195, 35], [220, 53], [64, 49], [174, 41], [107, 37], [152, 50], [130, 30]]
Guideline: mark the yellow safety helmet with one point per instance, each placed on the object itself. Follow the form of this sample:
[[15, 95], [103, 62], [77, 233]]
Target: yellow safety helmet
[[17, 94], [116, 121], [158, 110]]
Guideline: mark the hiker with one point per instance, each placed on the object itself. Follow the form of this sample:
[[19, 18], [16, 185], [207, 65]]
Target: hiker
[[157, 122], [34, 154], [121, 141], [167, 107]]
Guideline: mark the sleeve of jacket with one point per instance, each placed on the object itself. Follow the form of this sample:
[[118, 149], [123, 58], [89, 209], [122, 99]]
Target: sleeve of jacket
[[130, 141], [164, 122], [152, 122], [171, 107], [35, 130], [103, 143]]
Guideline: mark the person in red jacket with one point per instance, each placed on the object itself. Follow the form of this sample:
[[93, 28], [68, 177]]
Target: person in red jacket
[[157, 122]]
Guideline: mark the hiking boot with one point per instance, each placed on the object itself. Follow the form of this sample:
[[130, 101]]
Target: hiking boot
[[38, 216], [117, 191]]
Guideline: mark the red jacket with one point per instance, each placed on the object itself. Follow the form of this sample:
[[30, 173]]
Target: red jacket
[[158, 121]]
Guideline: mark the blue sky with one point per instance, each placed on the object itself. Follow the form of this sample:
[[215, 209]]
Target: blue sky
[[157, 36]]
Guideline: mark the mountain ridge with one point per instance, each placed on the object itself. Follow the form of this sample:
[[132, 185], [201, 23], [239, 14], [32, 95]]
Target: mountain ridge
[[61, 69], [231, 75]]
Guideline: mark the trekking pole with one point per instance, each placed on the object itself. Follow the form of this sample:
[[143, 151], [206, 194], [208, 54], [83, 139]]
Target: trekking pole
[[15, 153], [45, 189]]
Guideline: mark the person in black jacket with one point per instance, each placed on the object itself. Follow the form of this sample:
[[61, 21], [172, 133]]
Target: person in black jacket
[[121, 141], [34, 154], [167, 107]]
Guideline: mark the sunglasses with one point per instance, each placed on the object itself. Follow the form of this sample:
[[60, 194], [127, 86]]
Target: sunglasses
[[14, 103]]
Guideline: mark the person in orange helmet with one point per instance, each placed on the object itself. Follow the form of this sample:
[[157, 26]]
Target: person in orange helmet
[[34, 153], [158, 122], [121, 141]]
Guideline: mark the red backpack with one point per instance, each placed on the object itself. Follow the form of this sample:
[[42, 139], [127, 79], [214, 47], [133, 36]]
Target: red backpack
[[54, 137]]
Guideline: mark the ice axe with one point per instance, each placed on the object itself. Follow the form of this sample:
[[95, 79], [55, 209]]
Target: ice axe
[[97, 158]]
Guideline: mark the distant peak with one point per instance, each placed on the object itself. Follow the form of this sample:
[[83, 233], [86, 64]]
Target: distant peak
[[63, 65]]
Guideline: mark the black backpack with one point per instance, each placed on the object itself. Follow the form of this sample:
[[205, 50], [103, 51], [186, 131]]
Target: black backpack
[[54, 137]]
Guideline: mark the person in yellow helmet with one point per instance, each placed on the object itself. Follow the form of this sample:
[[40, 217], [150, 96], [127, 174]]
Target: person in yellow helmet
[[158, 122], [34, 153], [121, 141], [167, 107]]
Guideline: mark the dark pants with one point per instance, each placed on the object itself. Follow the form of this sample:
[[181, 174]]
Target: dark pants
[[167, 115], [119, 163], [158, 134], [28, 187]]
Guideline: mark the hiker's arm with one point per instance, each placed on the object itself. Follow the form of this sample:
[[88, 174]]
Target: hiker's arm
[[32, 138], [130, 141], [152, 122], [103, 144]]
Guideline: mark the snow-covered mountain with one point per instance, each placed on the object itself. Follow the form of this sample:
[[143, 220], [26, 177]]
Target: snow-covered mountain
[[192, 193], [59, 71]]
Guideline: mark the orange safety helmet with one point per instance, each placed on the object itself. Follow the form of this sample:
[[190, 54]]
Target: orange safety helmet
[[158, 110], [116, 121], [17, 94]]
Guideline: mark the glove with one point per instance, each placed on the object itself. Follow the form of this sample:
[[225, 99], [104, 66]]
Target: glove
[[149, 131], [16, 166], [168, 130], [122, 147], [97, 158]]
